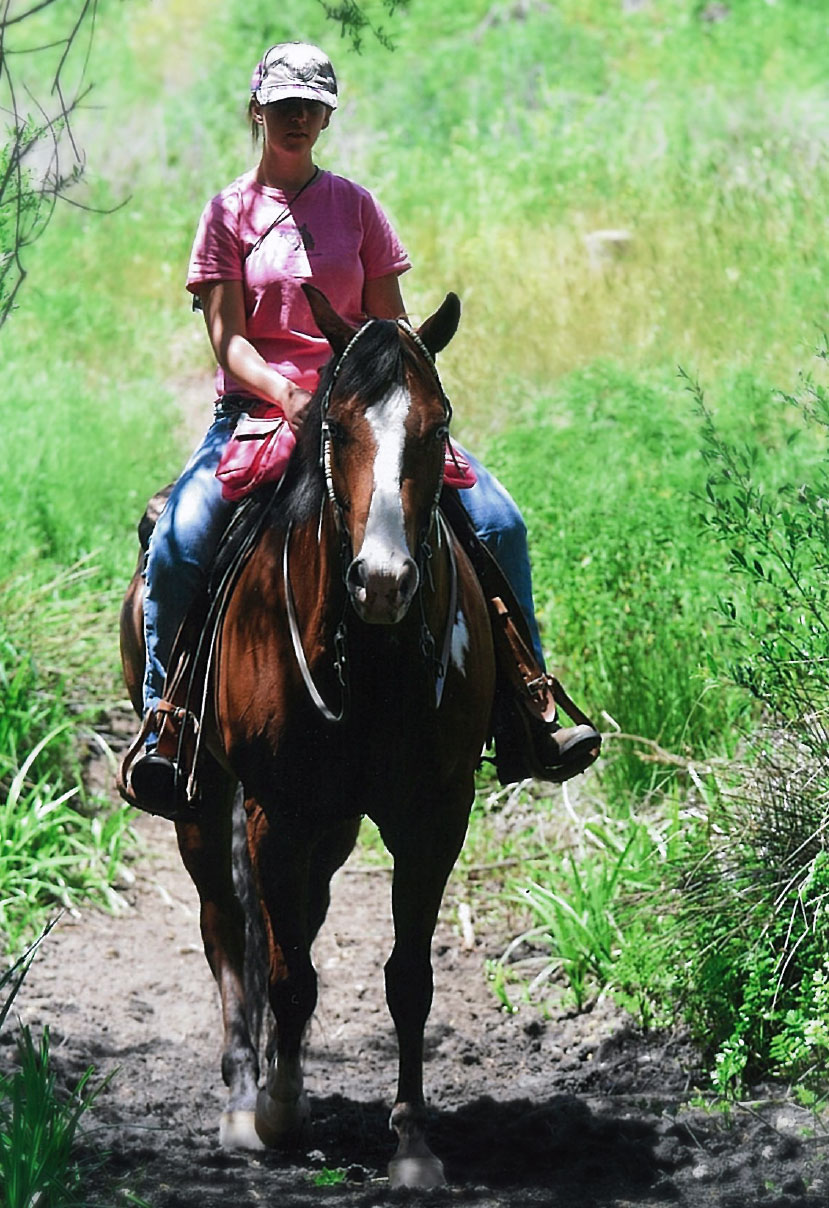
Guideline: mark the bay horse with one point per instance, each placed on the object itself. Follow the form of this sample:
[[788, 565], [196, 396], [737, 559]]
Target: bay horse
[[353, 675]]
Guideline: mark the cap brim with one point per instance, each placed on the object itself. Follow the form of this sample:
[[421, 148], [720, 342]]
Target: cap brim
[[266, 94]]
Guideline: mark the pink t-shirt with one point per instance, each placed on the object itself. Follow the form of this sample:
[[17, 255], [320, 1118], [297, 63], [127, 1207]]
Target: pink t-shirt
[[334, 235]]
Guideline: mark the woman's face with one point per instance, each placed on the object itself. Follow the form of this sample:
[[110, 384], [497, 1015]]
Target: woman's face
[[293, 125]]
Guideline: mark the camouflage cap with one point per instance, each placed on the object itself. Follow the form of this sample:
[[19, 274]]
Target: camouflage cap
[[294, 69]]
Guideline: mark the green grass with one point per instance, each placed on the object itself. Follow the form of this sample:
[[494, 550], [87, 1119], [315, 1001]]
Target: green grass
[[705, 141], [39, 1128], [40, 1120], [58, 849]]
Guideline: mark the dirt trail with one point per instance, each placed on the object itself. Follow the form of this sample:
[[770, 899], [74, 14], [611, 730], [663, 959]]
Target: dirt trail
[[562, 1112]]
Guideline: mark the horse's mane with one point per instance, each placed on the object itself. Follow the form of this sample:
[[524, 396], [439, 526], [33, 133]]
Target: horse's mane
[[378, 361]]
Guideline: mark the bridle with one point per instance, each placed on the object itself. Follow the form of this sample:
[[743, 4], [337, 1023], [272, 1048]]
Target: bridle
[[325, 429], [428, 646]]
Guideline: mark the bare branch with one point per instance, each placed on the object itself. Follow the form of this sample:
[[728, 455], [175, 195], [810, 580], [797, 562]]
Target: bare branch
[[354, 20], [39, 135]]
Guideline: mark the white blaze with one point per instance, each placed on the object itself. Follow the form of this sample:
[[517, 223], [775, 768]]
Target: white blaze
[[384, 543]]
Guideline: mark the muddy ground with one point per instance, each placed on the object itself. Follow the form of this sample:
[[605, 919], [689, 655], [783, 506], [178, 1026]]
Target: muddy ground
[[569, 1111]]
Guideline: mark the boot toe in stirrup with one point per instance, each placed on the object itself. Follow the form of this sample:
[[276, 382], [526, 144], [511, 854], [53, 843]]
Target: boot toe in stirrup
[[154, 782], [570, 750]]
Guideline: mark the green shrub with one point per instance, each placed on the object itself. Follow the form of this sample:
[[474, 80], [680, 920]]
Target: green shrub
[[752, 924], [776, 533], [755, 973]]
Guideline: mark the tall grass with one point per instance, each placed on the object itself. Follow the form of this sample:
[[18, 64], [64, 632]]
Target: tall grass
[[56, 850], [704, 141], [39, 1120]]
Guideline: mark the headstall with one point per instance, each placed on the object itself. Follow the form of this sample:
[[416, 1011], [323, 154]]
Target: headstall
[[428, 646]]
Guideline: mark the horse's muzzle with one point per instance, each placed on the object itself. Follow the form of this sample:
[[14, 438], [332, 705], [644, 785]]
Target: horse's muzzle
[[382, 596]]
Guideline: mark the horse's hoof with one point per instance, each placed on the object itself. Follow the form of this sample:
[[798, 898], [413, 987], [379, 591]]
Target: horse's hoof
[[237, 1130], [282, 1125], [418, 1172]]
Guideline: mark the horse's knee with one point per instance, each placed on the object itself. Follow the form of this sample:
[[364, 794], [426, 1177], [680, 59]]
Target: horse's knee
[[293, 997], [409, 986]]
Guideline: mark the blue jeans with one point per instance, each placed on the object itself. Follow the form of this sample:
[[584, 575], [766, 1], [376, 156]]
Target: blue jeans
[[181, 551], [190, 527], [500, 526]]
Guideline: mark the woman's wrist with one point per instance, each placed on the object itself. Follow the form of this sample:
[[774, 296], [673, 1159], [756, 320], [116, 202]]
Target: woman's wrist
[[294, 403], [292, 394]]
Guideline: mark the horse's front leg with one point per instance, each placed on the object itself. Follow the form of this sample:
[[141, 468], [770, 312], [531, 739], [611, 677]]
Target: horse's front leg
[[205, 848], [282, 874], [294, 875], [422, 864]]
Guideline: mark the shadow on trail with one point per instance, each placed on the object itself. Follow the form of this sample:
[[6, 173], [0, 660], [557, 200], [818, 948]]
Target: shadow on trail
[[514, 1154], [512, 1144]]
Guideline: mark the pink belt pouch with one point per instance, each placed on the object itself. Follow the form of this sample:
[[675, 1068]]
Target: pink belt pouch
[[258, 452], [260, 448]]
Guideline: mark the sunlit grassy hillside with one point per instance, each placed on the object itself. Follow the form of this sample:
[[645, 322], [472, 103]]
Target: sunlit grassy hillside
[[502, 139]]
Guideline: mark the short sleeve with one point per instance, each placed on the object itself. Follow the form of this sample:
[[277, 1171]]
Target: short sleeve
[[382, 253], [217, 252]]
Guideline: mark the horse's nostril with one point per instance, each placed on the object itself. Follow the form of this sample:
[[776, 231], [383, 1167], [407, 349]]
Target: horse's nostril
[[409, 580], [356, 578]]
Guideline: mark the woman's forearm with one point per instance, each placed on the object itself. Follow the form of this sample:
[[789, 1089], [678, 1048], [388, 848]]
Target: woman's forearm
[[241, 360], [224, 314]]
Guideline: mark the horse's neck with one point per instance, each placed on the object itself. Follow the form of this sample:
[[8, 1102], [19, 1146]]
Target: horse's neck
[[314, 563]]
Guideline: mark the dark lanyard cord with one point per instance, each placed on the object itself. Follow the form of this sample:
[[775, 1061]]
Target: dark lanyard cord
[[280, 218]]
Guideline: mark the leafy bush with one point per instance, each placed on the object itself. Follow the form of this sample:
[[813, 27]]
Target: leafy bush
[[754, 932], [777, 536], [753, 927], [715, 908]]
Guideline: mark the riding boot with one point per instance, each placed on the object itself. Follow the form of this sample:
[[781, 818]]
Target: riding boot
[[152, 775], [529, 741]]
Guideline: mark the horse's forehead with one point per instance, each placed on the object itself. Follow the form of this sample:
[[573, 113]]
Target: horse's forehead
[[389, 413], [414, 402]]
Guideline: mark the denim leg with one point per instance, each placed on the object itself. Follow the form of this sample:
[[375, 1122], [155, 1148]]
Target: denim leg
[[500, 525], [181, 551]]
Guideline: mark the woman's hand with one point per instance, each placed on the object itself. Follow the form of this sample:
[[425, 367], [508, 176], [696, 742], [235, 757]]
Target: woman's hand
[[295, 405]]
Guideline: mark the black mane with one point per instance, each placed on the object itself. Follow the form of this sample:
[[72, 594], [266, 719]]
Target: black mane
[[377, 361]]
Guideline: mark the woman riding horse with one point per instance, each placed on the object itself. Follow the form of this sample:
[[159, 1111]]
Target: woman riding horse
[[353, 674], [285, 223]]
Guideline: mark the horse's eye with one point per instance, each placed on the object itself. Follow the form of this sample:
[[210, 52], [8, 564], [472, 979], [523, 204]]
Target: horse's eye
[[336, 431]]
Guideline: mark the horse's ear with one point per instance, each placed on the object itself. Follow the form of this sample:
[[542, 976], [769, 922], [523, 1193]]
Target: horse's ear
[[336, 330], [437, 331]]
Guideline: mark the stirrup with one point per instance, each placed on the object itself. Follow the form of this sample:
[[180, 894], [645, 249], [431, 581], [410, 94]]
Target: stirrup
[[529, 741], [528, 747], [160, 786]]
